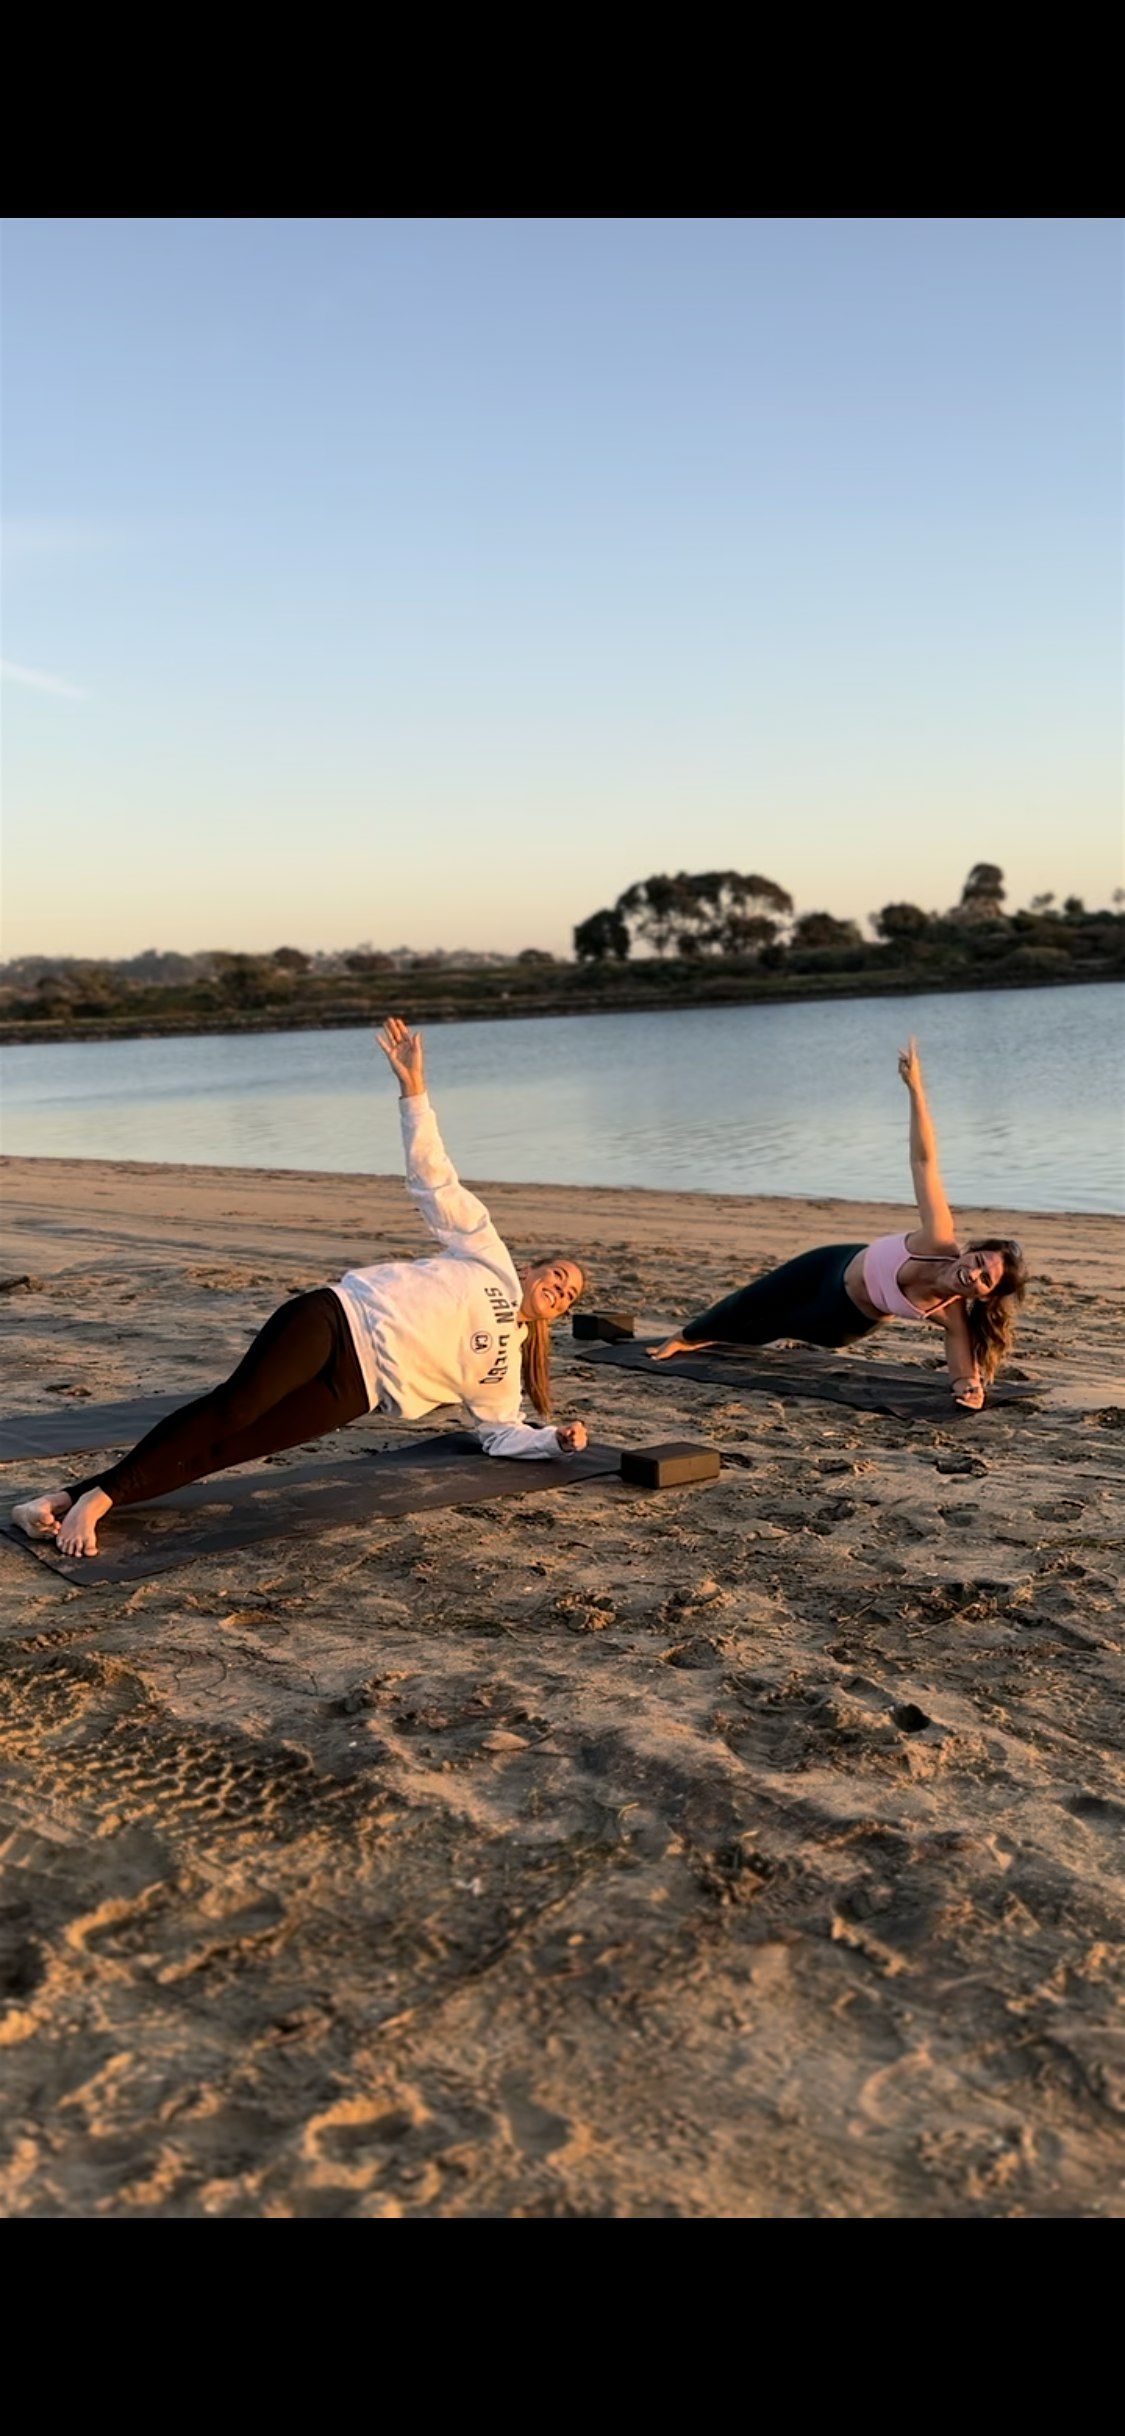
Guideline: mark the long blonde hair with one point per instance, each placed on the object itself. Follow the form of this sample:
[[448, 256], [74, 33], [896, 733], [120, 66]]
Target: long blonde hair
[[992, 1321], [535, 1351]]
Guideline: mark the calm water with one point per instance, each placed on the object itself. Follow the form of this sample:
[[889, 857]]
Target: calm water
[[1026, 1088]]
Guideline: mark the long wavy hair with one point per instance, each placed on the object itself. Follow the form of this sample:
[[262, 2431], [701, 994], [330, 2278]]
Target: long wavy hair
[[535, 1351], [992, 1322]]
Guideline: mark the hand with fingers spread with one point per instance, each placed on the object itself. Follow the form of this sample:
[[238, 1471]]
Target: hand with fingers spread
[[403, 1051]]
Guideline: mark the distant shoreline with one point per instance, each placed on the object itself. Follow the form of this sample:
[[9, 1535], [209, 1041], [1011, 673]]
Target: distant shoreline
[[430, 1005]]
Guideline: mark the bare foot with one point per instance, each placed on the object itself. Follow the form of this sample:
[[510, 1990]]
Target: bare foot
[[40, 1516], [78, 1531], [675, 1344]]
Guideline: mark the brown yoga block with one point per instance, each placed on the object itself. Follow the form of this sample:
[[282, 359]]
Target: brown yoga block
[[611, 1327], [670, 1466]]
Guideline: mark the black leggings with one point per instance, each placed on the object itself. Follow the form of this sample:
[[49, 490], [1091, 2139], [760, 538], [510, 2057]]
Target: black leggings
[[806, 1298], [300, 1378]]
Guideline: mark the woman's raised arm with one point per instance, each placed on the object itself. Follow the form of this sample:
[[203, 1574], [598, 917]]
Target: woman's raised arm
[[452, 1213], [929, 1191]]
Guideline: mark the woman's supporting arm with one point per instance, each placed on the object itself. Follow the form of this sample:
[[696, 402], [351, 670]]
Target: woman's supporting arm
[[962, 1361], [929, 1191], [515, 1437]]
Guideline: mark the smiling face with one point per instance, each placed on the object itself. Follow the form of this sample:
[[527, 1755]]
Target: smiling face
[[550, 1288], [976, 1273]]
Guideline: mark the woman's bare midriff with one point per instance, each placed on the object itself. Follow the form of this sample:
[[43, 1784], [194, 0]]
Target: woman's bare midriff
[[854, 1288]]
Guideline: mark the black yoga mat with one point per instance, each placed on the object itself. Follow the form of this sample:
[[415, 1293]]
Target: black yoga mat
[[228, 1512], [76, 1425], [830, 1378]]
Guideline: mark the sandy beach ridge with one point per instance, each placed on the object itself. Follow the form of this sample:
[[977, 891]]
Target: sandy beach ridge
[[753, 1850]]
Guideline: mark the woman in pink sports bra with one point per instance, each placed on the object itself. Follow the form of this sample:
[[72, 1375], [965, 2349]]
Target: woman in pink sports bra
[[839, 1292]]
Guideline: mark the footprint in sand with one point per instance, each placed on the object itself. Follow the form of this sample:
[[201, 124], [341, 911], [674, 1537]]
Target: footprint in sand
[[1098, 1810]]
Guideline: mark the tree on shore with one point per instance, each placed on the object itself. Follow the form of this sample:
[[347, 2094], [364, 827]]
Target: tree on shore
[[700, 913], [902, 927], [654, 909], [982, 897], [736, 912], [824, 930], [600, 936]]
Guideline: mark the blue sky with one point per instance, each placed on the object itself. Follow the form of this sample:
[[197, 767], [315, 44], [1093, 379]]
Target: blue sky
[[430, 580]]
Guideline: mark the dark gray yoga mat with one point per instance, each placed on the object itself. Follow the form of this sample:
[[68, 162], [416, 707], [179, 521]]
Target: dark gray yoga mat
[[225, 1513], [76, 1425], [830, 1378]]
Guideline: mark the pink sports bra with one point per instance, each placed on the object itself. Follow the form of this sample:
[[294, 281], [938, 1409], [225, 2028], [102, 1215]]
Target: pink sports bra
[[881, 1264]]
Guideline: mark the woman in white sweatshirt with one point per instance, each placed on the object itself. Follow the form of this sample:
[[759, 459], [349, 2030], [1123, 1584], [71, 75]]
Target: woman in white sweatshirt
[[463, 1327]]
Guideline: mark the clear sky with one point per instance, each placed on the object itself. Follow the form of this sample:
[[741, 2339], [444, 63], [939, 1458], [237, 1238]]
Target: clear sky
[[429, 581]]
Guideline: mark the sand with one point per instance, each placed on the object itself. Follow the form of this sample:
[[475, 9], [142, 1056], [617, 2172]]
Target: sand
[[747, 1850]]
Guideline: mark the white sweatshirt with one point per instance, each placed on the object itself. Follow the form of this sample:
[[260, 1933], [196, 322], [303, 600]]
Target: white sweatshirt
[[444, 1330]]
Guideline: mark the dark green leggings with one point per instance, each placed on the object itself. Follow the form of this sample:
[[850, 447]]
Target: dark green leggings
[[806, 1298]]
